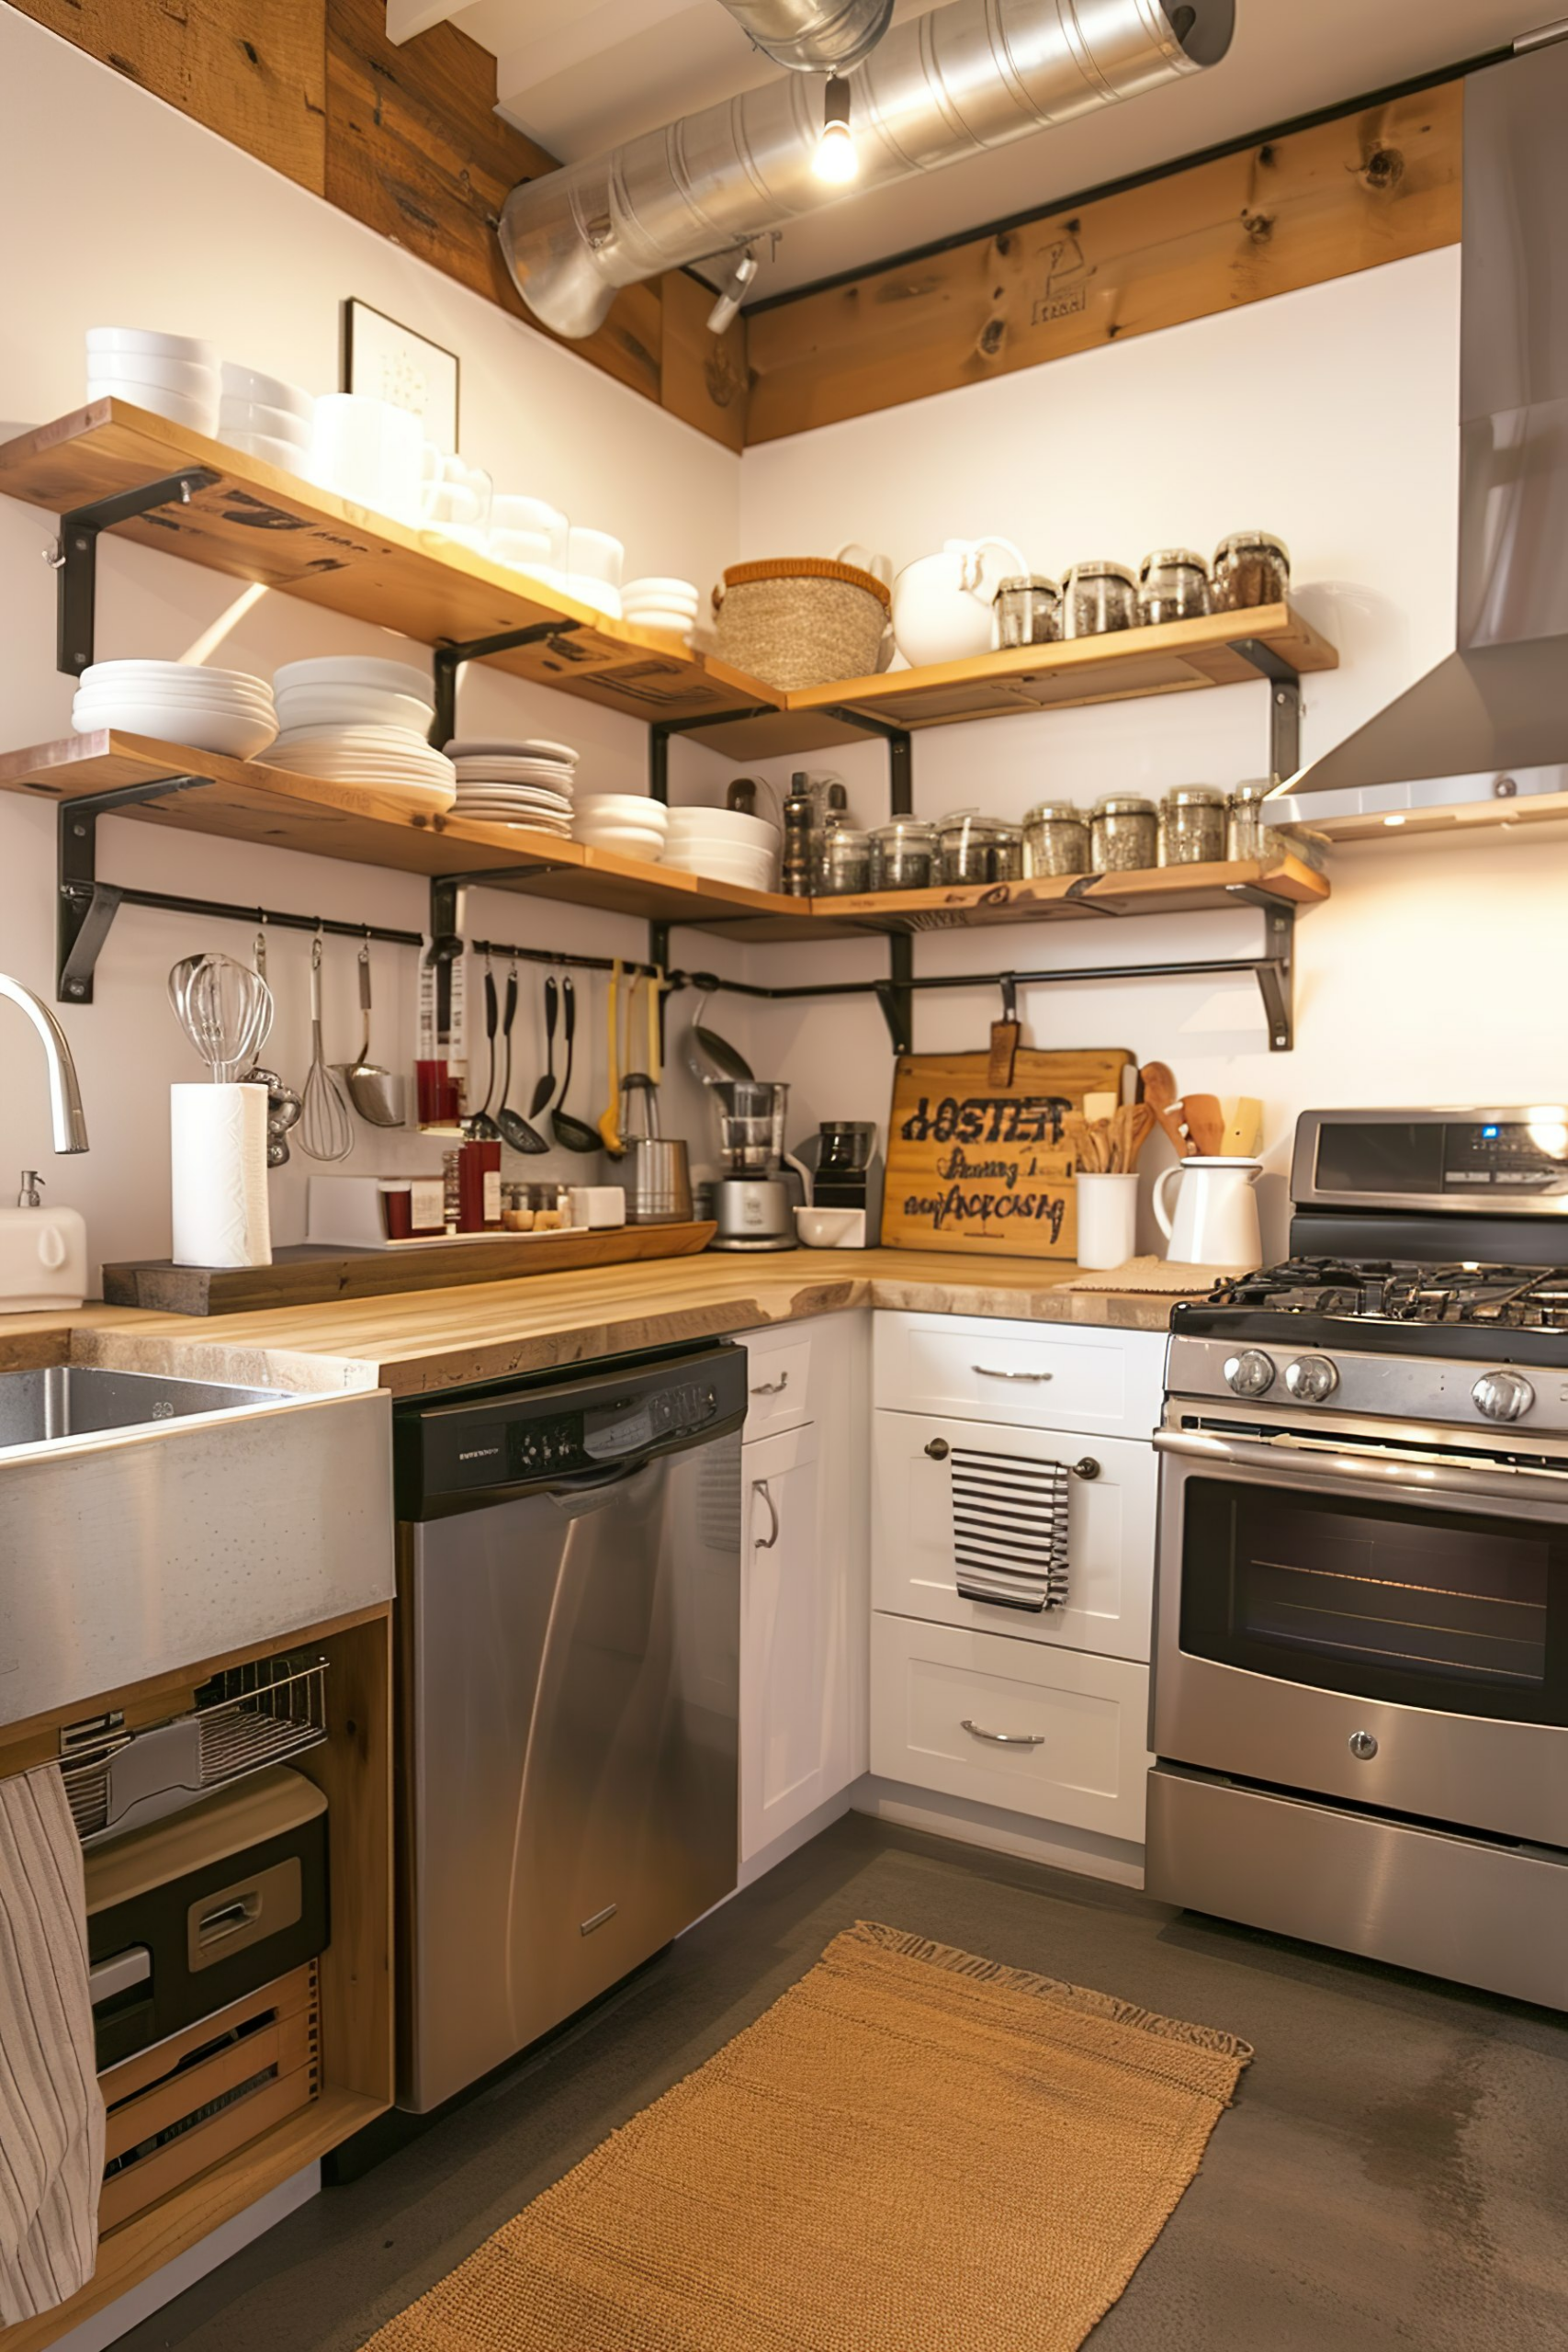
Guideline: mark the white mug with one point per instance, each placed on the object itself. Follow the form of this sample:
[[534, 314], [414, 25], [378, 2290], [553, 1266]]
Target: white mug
[[1107, 1219], [369, 452], [1215, 1222]]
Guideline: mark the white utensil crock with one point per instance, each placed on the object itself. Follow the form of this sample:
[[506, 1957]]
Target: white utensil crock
[[1215, 1222], [1107, 1219], [942, 604]]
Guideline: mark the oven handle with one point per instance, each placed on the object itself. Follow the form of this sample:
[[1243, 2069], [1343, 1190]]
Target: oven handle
[[1352, 1467]]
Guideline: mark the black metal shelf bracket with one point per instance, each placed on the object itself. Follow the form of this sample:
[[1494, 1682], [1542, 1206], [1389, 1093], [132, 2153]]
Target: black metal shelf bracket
[[1284, 705], [1276, 969], [76, 558], [661, 730], [446, 660]]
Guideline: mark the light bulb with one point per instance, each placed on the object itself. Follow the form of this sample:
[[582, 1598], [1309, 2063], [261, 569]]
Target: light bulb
[[835, 160]]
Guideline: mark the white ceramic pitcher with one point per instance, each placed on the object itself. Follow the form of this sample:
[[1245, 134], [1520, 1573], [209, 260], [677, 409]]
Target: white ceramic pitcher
[[1215, 1222], [942, 604]]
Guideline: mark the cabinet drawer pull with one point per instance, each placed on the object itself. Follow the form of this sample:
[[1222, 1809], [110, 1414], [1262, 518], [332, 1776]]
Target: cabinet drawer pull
[[991, 1371], [1004, 1738], [766, 1543], [1086, 1466], [772, 1387]]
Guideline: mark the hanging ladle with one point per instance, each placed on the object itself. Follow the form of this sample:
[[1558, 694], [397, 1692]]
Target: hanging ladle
[[376, 1093], [573, 1135], [514, 1129], [546, 1085], [479, 1127]]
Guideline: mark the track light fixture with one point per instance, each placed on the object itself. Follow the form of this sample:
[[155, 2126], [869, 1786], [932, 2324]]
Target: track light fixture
[[835, 160]]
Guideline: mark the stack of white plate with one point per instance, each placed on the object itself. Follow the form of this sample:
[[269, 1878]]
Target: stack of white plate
[[516, 784], [178, 702], [724, 844], [670, 605], [353, 718], [629, 822], [173, 375], [265, 417]]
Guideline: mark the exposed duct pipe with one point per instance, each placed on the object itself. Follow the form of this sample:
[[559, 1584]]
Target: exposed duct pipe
[[813, 36], [964, 78]]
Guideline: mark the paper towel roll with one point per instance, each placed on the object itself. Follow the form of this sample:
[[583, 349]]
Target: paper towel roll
[[218, 1167]]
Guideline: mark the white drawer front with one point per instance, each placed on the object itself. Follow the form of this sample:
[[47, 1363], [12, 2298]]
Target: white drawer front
[[1111, 1523], [1065, 1375], [1051, 1733], [778, 1381]]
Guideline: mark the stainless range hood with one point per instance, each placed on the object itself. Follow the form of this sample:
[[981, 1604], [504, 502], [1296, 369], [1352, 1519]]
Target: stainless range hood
[[1483, 738]]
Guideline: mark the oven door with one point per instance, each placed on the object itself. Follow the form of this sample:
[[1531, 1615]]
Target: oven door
[[1368, 1617]]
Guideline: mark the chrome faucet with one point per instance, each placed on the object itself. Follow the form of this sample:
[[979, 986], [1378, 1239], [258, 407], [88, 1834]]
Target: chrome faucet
[[65, 1095]]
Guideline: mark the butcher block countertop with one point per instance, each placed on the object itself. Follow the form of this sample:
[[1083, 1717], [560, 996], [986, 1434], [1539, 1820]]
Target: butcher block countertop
[[415, 1345]]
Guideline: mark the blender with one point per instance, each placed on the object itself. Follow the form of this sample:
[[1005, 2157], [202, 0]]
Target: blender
[[751, 1203]]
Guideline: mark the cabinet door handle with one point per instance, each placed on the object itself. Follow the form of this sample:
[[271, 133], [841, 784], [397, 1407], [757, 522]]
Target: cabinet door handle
[[938, 1448], [1005, 1738], [991, 1371], [766, 1543], [772, 1387]]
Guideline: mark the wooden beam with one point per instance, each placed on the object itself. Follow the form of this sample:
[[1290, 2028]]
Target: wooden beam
[[1372, 185]]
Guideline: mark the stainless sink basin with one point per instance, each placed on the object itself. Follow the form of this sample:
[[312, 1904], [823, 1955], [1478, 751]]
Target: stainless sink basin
[[80, 1401]]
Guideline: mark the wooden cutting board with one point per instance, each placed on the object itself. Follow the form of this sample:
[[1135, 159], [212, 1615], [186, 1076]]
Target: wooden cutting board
[[976, 1166]]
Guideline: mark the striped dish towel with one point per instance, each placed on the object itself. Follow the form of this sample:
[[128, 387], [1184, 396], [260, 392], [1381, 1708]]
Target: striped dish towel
[[1009, 1529], [51, 2111]]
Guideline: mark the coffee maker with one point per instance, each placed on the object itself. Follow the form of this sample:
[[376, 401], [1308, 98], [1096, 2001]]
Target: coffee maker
[[752, 1204], [845, 1168]]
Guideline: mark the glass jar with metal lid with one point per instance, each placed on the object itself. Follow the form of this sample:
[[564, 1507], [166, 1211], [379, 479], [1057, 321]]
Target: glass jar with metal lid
[[1028, 610], [1124, 834], [980, 849], [1250, 568], [1099, 596], [1192, 826], [844, 862], [1055, 838], [904, 854], [1249, 833], [1173, 585]]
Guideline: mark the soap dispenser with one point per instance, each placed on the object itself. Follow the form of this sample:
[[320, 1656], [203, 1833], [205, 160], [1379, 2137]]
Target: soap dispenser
[[43, 1253]]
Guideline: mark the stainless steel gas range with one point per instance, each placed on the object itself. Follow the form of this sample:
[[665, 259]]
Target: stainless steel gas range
[[1360, 1690]]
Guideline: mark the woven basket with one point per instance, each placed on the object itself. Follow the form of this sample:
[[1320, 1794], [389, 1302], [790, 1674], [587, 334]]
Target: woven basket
[[801, 620]]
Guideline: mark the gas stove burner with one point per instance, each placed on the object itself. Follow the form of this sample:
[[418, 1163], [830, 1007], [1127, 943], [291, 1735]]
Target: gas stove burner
[[1513, 1298]]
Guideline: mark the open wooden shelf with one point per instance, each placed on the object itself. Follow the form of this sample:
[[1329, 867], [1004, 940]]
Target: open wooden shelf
[[256, 524], [1187, 889]]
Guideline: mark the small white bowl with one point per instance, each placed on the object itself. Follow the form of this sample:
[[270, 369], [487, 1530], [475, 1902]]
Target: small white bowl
[[241, 735], [250, 385], [286, 455], [830, 1229], [595, 555], [352, 670], [353, 707], [172, 678], [661, 624], [255, 417], [144, 344], [182, 376], [723, 829], [626, 807], [510, 513], [655, 590], [201, 416]]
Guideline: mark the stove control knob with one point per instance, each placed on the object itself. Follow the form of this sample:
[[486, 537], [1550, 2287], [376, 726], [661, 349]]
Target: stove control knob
[[1251, 1374], [1312, 1378], [1502, 1396]]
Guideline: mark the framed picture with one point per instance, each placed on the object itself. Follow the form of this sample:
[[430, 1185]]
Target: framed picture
[[390, 362]]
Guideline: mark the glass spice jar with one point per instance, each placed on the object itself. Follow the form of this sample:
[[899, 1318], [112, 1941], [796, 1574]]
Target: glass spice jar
[[903, 855], [1173, 585], [1124, 834], [1249, 833], [844, 862], [1099, 596], [1192, 826], [1250, 568], [980, 849], [1028, 611], [1055, 838]]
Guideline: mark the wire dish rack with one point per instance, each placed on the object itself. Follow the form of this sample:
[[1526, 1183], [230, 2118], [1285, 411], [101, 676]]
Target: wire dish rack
[[244, 1719]]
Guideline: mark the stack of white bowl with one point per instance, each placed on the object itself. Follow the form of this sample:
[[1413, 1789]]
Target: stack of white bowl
[[528, 535], [265, 417], [173, 375], [516, 784], [353, 718], [178, 702], [593, 561], [668, 604], [631, 823], [725, 844]]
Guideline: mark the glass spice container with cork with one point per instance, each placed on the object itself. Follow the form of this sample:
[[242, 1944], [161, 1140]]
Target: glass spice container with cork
[[1173, 585], [904, 854], [1124, 834], [1192, 821], [1097, 597], [1250, 568], [1055, 838], [979, 849], [1028, 610], [844, 862]]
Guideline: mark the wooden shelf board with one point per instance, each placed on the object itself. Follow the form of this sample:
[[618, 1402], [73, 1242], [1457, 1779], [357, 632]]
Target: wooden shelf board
[[1185, 889], [258, 524]]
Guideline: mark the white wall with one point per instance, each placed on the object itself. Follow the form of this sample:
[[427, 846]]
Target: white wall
[[1329, 416], [156, 222]]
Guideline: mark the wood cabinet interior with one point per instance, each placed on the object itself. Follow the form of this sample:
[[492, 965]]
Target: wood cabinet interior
[[354, 1768]]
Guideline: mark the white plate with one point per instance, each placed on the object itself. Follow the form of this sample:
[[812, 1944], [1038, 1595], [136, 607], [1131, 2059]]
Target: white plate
[[312, 706], [190, 376], [248, 385], [656, 589], [201, 416], [170, 673], [597, 595], [243, 705], [358, 735], [467, 747], [724, 828], [317, 761], [355, 670], [154, 345], [237, 733], [255, 417], [288, 457]]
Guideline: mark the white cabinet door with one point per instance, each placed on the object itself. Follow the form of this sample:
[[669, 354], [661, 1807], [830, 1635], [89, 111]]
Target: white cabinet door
[[1052, 1733], [778, 1380], [1111, 1539], [792, 1655]]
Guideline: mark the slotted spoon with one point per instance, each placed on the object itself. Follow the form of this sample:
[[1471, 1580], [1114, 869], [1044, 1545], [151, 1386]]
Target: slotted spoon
[[326, 1130]]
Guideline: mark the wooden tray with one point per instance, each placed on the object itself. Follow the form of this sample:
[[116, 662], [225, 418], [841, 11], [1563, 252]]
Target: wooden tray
[[310, 1275]]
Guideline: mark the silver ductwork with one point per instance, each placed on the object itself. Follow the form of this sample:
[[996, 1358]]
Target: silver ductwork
[[961, 79], [813, 36]]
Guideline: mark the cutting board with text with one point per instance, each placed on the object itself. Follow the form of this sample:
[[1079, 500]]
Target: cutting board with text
[[973, 1165]]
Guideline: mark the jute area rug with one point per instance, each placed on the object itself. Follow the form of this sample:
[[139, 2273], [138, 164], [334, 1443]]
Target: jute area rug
[[914, 2149]]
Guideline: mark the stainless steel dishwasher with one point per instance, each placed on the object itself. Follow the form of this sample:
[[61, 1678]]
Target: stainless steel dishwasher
[[568, 1605]]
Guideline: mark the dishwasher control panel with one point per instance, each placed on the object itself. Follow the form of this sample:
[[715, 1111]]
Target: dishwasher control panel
[[450, 1456]]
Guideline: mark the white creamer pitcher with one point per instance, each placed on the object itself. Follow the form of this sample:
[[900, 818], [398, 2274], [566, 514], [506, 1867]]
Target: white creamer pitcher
[[942, 604], [1215, 1222]]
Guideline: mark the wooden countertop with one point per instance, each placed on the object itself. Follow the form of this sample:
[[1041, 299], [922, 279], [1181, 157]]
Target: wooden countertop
[[447, 1338]]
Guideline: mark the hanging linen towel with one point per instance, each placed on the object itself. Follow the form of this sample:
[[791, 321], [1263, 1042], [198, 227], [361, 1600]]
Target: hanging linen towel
[[1009, 1529], [51, 2113]]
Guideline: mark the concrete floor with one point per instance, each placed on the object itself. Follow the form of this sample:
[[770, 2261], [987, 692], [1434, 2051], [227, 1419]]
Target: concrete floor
[[1395, 2172]]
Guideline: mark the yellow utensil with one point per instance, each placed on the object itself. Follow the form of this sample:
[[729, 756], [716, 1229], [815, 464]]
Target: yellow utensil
[[1244, 1127], [610, 1120], [656, 986]]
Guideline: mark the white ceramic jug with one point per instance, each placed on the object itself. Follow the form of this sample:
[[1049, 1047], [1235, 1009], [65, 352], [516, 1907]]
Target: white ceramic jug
[[942, 604], [1215, 1222]]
